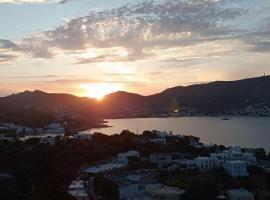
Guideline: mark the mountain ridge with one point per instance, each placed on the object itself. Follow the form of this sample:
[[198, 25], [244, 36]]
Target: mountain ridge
[[218, 97]]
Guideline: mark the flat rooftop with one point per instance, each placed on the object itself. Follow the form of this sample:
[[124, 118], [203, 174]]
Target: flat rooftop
[[235, 161], [78, 193], [240, 192], [105, 167]]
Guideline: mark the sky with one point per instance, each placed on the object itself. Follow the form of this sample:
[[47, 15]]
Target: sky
[[90, 47]]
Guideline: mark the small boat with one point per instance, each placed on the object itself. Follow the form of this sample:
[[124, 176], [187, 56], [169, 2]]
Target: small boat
[[225, 118]]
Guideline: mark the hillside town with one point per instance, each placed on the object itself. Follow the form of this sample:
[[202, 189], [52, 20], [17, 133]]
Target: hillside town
[[142, 184], [155, 165]]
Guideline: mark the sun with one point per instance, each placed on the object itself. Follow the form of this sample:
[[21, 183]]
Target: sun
[[99, 90]]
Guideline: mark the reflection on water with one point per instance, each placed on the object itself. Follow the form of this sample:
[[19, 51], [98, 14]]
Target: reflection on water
[[244, 131]]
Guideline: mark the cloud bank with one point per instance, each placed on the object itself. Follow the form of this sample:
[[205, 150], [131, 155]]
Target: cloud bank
[[146, 30]]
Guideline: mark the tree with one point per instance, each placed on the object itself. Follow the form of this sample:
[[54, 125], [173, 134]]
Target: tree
[[260, 154], [106, 188], [134, 163], [202, 190]]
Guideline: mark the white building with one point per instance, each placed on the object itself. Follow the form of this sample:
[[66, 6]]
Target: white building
[[166, 193], [48, 140], [185, 164], [204, 163], [28, 130], [240, 194], [235, 149], [123, 157], [55, 128], [164, 134], [236, 168], [153, 191], [83, 136], [249, 158], [8, 126], [161, 158], [78, 190], [158, 140], [105, 168], [135, 191], [8, 139], [219, 159], [234, 153]]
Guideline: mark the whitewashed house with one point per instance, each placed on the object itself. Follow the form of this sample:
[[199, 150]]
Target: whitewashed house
[[204, 163], [185, 164], [249, 158], [165, 193], [235, 149], [161, 158], [158, 140], [78, 190], [8, 139], [240, 194], [124, 157], [234, 153], [135, 191], [219, 159], [149, 191], [164, 134], [55, 128], [236, 168], [104, 168]]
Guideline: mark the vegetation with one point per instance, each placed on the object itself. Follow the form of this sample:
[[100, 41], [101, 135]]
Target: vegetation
[[208, 185], [106, 188], [43, 172]]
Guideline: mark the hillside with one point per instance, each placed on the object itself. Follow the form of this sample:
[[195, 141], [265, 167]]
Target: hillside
[[242, 97], [212, 98], [39, 108]]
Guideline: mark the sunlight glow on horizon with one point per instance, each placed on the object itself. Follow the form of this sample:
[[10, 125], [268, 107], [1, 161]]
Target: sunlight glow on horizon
[[99, 90]]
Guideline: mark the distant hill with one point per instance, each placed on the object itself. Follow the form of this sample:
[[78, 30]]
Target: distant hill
[[218, 97], [244, 97], [39, 108], [42, 100]]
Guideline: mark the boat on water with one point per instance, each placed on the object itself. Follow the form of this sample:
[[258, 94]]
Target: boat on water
[[225, 118]]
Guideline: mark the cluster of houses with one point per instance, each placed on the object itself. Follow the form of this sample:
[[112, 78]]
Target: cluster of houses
[[54, 128], [234, 161], [51, 140], [78, 189], [16, 128], [47, 134], [143, 185]]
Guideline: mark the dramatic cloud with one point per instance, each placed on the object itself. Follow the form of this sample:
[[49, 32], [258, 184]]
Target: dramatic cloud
[[6, 58], [145, 30], [138, 28], [7, 53], [7, 44]]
